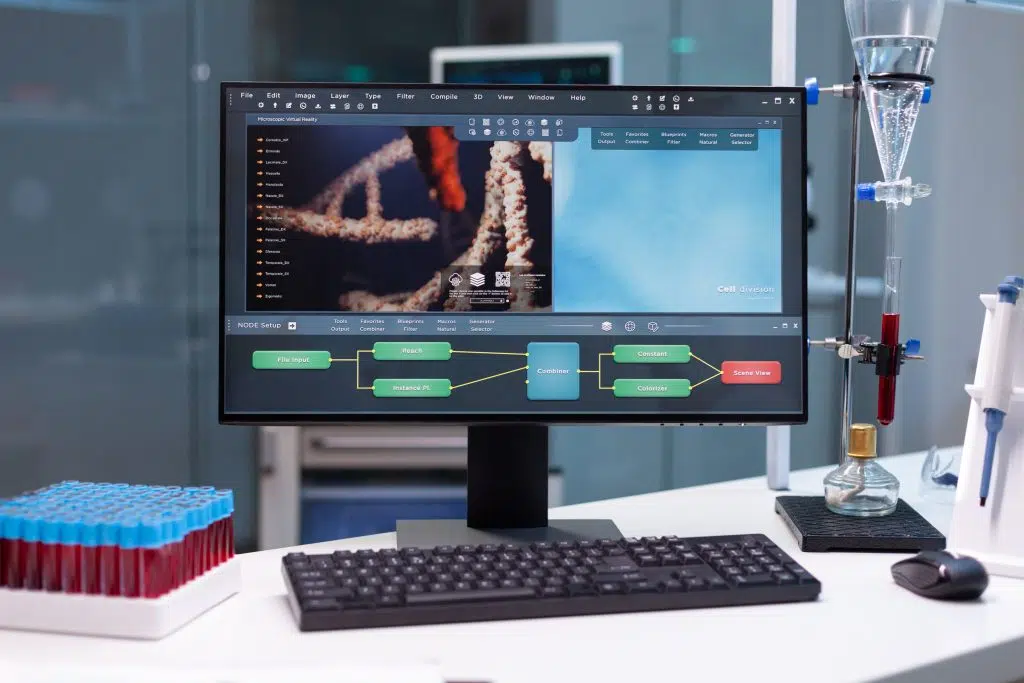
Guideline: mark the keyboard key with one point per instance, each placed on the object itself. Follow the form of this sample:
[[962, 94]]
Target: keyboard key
[[690, 558], [642, 587], [799, 572], [608, 577], [455, 597], [320, 605], [785, 578], [553, 592], [753, 580], [647, 561], [671, 586], [695, 584], [611, 588]]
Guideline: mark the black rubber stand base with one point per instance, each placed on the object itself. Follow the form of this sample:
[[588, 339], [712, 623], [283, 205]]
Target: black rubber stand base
[[818, 529], [428, 533]]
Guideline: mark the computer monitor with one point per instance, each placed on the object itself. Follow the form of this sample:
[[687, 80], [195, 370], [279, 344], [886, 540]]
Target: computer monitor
[[510, 257], [536, 64]]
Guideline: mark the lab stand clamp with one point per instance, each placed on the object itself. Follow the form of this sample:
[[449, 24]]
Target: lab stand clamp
[[989, 509]]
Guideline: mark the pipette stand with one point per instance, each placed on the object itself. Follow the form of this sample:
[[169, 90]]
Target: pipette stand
[[993, 534]]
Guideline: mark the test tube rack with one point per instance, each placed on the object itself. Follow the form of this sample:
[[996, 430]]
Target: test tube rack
[[992, 533], [115, 560]]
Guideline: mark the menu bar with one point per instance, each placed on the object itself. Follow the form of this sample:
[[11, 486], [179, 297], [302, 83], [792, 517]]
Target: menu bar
[[547, 324], [525, 100]]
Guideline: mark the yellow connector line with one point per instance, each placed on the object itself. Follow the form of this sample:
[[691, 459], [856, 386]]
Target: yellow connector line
[[694, 386], [696, 357], [484, 379], [600, 385], [491, 353]]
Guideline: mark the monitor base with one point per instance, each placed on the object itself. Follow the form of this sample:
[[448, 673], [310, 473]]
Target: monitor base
[[428, 533]]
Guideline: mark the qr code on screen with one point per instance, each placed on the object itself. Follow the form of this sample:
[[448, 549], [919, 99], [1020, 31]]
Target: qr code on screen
[[503, 279]]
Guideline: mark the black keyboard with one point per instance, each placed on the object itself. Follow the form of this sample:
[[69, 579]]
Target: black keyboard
[[448, 584]]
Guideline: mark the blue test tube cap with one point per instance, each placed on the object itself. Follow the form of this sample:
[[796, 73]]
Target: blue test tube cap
[[866, 192], [813, 91], [228, 498], [30, 528], [11, 529], [50, 530], [151, 533], [181, 529], [108, 530], [90, 529], [128, 533], [71, 531]]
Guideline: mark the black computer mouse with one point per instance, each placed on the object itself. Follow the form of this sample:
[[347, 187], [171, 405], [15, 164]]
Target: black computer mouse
[[942, 575]]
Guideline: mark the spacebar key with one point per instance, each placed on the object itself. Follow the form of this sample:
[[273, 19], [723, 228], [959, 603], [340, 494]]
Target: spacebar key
[[452, 597]]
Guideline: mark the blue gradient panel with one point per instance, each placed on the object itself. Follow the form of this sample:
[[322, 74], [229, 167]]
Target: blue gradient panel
[[554, 371], [663, 231]]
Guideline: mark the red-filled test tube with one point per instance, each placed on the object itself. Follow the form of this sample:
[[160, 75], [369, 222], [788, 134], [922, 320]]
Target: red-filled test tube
[[89, 558], [70, 558], [109, 559], [50, 555], [152, 553], [204, 557], [28, 554], [10, 532], [887, 384], [130, 558]]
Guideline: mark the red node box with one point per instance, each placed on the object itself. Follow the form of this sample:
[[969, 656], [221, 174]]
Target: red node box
[[751, 372]]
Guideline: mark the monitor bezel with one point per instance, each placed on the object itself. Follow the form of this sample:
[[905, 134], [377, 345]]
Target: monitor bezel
[[633, 418], [610, 50]]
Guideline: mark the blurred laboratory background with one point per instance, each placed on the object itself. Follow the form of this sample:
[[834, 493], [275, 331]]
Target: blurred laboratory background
[[109, 240]]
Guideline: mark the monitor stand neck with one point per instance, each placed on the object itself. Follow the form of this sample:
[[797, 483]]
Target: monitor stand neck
[[506, 496]]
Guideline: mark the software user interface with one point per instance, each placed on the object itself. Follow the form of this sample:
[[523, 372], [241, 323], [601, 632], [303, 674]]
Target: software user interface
[[443, 250]]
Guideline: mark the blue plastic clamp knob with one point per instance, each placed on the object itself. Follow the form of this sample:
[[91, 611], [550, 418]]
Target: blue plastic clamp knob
[[926, 96], [813, 92], [866, 192], [912, 347]]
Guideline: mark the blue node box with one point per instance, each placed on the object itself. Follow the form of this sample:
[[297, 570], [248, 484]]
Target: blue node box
[[554, 371]]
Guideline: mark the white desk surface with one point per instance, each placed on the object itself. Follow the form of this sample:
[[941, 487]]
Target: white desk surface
[[863, 628]]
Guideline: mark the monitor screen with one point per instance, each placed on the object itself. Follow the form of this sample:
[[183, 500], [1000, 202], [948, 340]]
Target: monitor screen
[[535, 64], [474, 254]]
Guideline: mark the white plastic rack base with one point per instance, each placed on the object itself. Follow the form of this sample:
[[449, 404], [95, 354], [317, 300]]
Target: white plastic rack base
[[116, 617], [992, 534]]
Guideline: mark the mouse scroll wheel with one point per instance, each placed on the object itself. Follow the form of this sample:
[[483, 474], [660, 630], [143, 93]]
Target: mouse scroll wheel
[[943, 571]]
